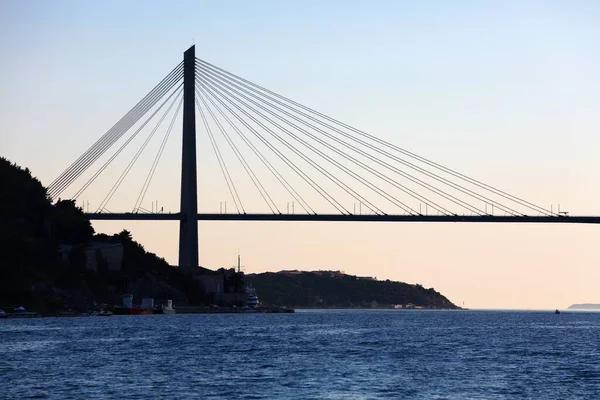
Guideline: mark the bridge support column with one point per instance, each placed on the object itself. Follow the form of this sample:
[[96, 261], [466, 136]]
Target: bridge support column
[[188, 224]]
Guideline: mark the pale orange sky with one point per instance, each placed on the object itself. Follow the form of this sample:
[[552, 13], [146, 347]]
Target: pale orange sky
[[507, 93]]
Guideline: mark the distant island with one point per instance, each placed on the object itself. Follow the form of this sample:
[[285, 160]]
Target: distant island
[[584, 306], [52, 261]]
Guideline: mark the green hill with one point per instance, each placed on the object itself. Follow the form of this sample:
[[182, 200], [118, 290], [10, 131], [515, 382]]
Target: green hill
[[333, 289]]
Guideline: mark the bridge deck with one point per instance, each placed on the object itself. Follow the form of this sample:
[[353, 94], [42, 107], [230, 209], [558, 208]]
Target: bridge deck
[[350, 218]]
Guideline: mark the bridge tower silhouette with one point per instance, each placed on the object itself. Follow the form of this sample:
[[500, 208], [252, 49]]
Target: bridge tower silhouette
[[188, 220]]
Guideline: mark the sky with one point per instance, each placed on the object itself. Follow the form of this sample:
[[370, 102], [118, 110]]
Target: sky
[[506, 92]]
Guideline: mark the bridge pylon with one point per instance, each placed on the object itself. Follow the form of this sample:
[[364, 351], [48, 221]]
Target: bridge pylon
[[188, 222]]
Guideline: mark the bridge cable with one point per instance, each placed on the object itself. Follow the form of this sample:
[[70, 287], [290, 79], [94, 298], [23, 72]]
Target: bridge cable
[[264, 160], [311, 162], [241, 158], [437, 191], [120, 131], [297, 152], [454, 173], [117, 184], [109, 134], [221, 161], [113, 134], [366, 167], [329, 159], [90, 159], [250, 91], [315, 186], [340, 183], [146, 185], [93, 178]]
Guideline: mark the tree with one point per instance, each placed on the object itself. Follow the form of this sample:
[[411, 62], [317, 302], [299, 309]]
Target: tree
[[125, 236], [69, 224]]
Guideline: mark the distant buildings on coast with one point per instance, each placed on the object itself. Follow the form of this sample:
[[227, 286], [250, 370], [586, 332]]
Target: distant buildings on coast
[[327, 273]]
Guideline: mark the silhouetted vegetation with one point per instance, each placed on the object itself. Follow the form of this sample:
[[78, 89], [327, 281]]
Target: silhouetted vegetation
[[322, 289], [69, 224], [42, 259]]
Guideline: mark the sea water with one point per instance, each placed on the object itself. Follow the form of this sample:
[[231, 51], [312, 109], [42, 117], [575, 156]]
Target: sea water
[[320, 354]]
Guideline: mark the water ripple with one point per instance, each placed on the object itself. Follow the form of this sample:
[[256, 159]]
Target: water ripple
[[310, 355]]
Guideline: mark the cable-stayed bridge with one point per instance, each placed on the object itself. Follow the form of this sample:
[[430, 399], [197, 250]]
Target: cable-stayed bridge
[[320, 163]]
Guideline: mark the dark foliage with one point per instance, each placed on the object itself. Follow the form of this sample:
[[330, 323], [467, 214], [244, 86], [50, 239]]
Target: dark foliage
[[324, 290], [69, 224], [25, 243], [33, 273]]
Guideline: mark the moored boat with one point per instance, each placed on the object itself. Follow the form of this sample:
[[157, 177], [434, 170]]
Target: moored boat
[[128, 308], [165, 309], [19, 312], [130, 311], [252, 300], [168, 310]]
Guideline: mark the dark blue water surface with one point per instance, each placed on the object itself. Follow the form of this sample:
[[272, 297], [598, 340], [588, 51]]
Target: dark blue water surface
[[366, 354]]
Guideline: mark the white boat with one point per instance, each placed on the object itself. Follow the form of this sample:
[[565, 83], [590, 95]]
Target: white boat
[[168, 309], [164, 309], [252, 300], [3, 314]]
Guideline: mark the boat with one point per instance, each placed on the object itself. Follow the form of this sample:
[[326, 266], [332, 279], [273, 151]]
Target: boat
[[3, 314], [168, 309], [556, 312], [165, 309], [19, 312], [130, 311], [252, 300], [128, 308], [104, 313]]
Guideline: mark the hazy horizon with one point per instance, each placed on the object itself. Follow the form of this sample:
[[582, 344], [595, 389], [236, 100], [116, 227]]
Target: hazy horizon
[[504, 92]]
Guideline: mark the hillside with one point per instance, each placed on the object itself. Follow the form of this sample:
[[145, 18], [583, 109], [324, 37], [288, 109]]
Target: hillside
[[45, 255], [338, 290]]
